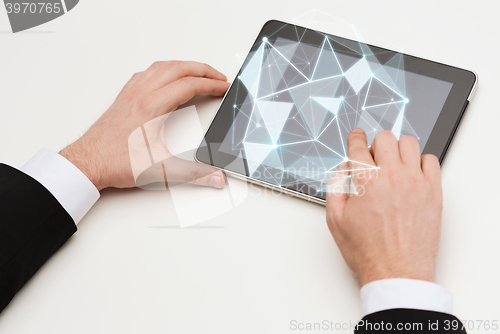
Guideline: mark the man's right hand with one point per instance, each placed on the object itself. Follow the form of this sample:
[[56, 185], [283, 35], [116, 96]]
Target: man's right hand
[[391, 230]]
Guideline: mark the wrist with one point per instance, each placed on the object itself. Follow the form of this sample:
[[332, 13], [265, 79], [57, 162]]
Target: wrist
[[377, 275], [82, 159]]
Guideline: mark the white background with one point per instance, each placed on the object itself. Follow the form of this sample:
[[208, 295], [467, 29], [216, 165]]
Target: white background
[[271, 260]]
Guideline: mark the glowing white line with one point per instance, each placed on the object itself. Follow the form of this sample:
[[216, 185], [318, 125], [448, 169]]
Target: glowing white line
[[389, 87], [260, 71], [371, 166], [298, 142], [319, 57], [258, 82], [340, 135], [331, 47], [367, 91], [384, 104], [288, 61], [330, 149], [245, 142], [326, 127]]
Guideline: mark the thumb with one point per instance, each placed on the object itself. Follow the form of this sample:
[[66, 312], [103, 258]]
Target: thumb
[[182, 171]]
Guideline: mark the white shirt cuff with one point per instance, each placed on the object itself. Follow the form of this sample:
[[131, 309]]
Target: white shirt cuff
[[404, 293], [72, 189]]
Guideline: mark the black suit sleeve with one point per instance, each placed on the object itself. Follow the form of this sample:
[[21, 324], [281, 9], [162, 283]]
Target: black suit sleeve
[[409, 321], [33, 225]]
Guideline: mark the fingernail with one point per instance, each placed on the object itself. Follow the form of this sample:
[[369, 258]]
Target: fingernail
[[358, 130], [216, 182]]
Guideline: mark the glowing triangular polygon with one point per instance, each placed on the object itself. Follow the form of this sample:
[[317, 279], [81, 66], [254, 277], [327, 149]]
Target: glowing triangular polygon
[[331, 104], [275, 115], [398, 125], [327, 64], [359, 74], [287, 50], [251, 74], [255, 155]]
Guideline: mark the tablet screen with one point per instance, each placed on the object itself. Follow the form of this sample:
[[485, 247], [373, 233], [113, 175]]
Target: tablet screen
[[298, 96]]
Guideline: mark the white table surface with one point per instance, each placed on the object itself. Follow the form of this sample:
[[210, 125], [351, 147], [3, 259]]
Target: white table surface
[[271, 260]]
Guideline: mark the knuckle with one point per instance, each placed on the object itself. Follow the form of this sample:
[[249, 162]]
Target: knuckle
[[195, 175], [355, 138], [143, 102], [157, 65], [408, 139], [357, 150], [174, 63], [385, 134], [356, 135], [134, 93], [136, 75], [182, 69], [206, 66], [188, 81]]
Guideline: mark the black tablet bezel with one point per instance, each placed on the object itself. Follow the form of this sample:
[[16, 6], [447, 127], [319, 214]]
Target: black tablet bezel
[[464, 82]]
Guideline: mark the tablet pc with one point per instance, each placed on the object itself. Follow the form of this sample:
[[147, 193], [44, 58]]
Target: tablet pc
[[284, 121]]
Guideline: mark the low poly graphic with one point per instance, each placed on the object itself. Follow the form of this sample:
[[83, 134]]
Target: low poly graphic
[[303, 101]]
